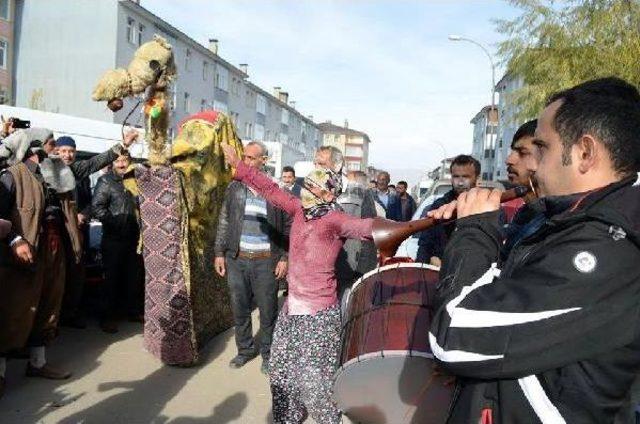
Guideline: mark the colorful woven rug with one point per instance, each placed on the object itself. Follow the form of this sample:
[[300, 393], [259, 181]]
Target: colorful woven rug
[[169, 331]]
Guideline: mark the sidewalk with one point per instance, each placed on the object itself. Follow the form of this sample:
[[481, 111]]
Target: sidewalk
[[116, 381]]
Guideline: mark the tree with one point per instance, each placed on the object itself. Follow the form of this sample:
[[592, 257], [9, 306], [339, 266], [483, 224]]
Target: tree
[[555, 46]]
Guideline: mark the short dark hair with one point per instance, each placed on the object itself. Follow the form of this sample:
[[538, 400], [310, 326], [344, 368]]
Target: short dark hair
[[607, 108], [528, 129], [289, 169], [463, 160], [404, 183], [392, 185]]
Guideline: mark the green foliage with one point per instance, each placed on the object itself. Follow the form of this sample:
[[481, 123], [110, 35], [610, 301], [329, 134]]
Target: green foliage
[[555, 45]]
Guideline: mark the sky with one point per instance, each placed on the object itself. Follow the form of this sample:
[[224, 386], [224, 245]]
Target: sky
[[384, 65]]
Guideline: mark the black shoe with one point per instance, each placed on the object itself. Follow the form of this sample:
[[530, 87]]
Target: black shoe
[[240, 360]]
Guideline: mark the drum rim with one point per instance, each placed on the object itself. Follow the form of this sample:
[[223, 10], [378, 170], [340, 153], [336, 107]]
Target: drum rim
[[380, 269], [382, 354]]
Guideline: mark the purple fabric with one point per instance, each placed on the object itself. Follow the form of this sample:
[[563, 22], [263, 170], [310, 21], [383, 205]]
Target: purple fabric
[[313, 245], [168, 329]]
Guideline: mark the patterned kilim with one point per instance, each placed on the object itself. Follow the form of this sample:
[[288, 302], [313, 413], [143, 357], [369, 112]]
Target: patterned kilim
[[169, 331]]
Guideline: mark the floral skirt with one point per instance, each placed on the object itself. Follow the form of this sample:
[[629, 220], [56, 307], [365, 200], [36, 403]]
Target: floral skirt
[[304, 359]]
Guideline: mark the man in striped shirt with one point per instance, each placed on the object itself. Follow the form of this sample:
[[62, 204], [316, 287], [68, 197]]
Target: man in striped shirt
[[250, 249]]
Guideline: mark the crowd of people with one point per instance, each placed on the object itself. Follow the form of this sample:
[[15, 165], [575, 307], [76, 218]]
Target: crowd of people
[[45, 207], [536, 313]]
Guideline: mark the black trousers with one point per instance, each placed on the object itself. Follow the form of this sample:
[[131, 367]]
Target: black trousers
[[253, 280], [124, 280]]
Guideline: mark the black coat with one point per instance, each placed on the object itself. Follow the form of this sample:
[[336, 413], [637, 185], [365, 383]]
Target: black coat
[[116, 208], [230, 224], [553, 333]]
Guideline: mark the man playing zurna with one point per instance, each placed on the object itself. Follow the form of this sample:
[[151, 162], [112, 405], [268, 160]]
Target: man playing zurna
[[552, 334]]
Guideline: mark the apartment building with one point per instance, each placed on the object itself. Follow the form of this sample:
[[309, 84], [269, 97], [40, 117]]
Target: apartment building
[[353, 144], [56, 70], [485, 127]]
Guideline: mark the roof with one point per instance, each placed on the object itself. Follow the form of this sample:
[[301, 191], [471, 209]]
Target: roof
[[176, 33], [276, 100], [484, 111], [328, 127]]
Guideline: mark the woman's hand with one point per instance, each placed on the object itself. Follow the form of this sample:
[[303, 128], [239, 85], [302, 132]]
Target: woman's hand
[[230, 155]]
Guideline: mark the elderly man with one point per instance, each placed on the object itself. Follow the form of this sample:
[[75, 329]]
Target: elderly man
[[356, 257], [551, 334], [250, 249], [388, 202], [32, 269], [82, 169]]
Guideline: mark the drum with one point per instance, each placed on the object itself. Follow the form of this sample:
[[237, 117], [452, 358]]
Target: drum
[[387, 368]]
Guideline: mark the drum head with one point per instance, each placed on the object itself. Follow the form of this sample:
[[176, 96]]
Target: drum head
[[394, 389]]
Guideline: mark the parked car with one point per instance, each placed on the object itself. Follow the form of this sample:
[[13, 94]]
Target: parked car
[[409, 247]]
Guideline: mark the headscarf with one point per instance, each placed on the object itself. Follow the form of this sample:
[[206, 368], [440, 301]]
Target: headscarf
[[326, 180]]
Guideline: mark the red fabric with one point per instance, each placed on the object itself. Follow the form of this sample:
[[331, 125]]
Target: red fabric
[[313, 245], [511, 207], [205, 115]]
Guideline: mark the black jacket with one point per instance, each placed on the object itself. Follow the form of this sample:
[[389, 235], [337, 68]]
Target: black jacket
[[232, 216], [554, 336], [432, 242], [82, 169], [116, 208]]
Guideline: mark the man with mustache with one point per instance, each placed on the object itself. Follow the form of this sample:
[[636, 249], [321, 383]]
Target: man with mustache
[[465, 171], [521, 165], [551, 333]]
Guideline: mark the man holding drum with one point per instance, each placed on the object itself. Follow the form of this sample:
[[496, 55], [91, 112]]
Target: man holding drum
[[552, 334]]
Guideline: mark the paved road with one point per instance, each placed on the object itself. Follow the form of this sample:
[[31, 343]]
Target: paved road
[[116, 381]]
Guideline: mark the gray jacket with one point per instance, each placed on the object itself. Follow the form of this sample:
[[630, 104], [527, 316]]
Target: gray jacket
[[232, 216]]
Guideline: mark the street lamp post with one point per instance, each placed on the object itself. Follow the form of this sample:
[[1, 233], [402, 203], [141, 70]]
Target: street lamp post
[[493, 84], [493, 66]]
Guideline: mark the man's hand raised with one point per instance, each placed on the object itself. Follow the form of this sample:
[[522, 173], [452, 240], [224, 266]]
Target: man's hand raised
[[472, 202], [129, 138]]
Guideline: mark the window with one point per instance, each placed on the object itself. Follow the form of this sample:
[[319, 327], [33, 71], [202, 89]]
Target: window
[[259, 132], [235, 86], [355, 151], [220, 106], [261, 105], [187, 59], [3, 53], [248, 99], [353, 166], [285, 117], [140, 33], [268, 136], [174, 98], [235, 116], [131, 35], [187, 101], [205, 70], [222, 77], [203, 105], [248, 130], [4, 9]]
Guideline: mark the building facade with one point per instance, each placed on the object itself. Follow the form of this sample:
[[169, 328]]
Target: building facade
[[353, 144], [56, 71], [508, 122], [485, 127]]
